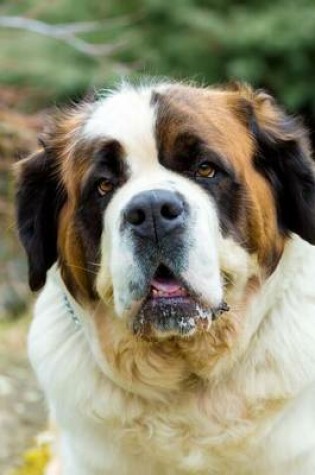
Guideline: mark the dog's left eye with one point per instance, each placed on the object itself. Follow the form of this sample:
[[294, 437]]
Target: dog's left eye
[[205, 170], [104, 186]]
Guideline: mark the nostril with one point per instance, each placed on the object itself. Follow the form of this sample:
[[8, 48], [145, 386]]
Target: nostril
[[171, 210], [154, 213], [135, 216]]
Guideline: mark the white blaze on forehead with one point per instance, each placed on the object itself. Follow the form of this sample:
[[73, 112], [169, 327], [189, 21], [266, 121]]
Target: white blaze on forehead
[[128, 116]]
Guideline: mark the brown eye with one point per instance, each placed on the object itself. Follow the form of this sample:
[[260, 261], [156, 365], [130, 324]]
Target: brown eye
[[206, 170], [104, 187]]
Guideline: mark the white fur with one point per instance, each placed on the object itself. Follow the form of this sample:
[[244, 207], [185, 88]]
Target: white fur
[[275, 363], [126, 115]]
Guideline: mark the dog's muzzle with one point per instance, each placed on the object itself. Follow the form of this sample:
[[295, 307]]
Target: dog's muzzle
[[157, 222]]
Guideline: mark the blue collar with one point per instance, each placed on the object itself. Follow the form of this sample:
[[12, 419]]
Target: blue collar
[[74, 317]]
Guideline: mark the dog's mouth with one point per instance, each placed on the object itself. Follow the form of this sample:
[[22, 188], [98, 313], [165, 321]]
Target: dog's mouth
[[165, 285], [172, 308]]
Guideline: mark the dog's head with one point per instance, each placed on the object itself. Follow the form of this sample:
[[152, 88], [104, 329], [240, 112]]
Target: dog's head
[[166, 202]]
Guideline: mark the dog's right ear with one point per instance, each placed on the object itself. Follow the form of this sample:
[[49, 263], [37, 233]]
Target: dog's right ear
[[39, 198]]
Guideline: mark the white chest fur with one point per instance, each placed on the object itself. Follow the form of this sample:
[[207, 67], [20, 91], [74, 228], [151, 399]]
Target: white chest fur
[[256, 415]]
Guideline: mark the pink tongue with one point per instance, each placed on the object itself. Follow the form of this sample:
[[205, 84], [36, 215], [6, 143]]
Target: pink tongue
[[169, 286]]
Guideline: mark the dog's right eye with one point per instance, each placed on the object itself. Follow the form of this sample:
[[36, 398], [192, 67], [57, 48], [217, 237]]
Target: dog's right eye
[[104, 186], [205, 170]]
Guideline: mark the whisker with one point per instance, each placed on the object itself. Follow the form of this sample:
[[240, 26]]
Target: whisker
[[97, 264], [81, 268]]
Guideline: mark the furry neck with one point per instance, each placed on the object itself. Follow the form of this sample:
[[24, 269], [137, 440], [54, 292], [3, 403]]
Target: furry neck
[[244, 347]]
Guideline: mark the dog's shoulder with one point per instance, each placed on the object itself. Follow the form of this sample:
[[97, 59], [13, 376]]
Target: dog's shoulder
[[268, 392]]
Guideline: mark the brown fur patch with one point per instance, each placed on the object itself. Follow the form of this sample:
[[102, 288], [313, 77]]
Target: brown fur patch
[[63, 140], [217, 116]]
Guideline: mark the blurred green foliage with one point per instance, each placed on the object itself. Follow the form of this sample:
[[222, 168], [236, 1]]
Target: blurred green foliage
[[268, 43]]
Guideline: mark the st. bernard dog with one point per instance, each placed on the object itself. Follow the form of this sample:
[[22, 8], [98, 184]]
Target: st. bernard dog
[[175, 333]]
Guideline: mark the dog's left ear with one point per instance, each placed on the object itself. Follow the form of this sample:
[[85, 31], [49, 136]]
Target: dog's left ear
[[283, 156], [39, 198]]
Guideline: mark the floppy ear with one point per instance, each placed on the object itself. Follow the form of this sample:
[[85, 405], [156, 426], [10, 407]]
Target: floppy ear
[[39, 198], [283, 156]]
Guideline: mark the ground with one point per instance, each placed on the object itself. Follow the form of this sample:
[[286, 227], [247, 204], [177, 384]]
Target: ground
[[22, 408]]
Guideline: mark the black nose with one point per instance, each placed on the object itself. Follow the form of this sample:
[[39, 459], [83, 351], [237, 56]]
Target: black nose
[[155, 213]]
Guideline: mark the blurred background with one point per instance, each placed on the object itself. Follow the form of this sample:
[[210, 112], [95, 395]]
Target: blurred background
[[54, 51]]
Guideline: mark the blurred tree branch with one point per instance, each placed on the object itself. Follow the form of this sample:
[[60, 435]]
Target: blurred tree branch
[[67, 33]]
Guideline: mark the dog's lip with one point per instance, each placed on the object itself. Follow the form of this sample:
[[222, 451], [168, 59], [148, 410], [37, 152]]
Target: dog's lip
[[165, 284], [171, 305], [167, 289], [172, 290], [169, 286]]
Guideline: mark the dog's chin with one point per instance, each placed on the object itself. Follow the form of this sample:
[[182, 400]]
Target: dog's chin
[[165, 317], [170, 308]]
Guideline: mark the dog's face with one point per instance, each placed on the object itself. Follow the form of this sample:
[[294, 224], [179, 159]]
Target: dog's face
[[167, 203]]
